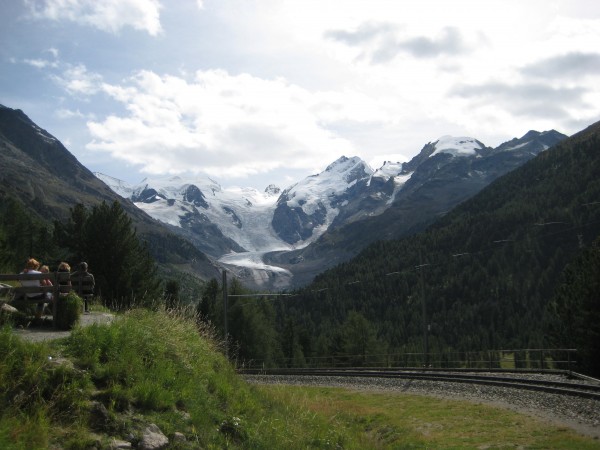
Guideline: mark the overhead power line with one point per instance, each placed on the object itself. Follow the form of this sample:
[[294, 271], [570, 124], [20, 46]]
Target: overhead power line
[[442, 261]]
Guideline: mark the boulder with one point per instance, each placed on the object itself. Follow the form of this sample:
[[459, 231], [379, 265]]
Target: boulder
[[153, 439], [6, 308], [118, 444]]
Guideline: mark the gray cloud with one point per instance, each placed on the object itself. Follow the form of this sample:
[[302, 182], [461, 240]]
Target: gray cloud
[[384, 44], [449, 42], [528, 99], [571, 64], [368, 31]]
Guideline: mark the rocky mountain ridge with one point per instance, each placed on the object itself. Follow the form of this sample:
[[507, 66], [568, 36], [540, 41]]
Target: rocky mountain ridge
[[282, 238], [40, 173]]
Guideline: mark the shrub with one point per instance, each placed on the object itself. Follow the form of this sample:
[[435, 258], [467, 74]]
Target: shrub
[[68, 311]]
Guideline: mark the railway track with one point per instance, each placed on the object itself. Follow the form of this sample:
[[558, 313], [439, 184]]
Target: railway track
[[573, 385]]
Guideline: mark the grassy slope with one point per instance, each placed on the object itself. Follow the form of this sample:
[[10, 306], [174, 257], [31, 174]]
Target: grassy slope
[[147, 367], [151, 367]]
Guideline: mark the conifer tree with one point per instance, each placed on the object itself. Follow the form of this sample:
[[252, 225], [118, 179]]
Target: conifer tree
[[20, 236], [207, 307], [125, 272], [172, 294], [575, 309], [359, 338]]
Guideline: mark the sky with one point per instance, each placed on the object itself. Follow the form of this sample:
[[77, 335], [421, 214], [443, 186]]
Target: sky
[[254, 92]]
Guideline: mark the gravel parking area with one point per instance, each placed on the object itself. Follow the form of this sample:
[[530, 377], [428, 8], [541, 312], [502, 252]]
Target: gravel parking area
[[579, 414]]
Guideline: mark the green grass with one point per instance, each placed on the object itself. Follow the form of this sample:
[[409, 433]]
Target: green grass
[[164, 368], [401, 421], [146, 367]]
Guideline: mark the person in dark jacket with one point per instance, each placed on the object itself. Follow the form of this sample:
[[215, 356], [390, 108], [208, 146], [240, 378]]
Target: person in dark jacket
[[83, 283]]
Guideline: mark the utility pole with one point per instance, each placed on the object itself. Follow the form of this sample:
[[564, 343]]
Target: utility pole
[[424, 312], [225, 313]]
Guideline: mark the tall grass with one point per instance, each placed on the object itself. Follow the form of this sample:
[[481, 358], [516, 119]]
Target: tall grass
[[146, 367], [36, 391]]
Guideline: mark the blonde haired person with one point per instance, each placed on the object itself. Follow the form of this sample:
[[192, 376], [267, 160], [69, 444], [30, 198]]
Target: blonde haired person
[[32, 266], [45, 281], [65, 268]]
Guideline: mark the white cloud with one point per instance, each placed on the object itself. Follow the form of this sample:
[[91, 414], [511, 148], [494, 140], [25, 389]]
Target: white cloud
[[40, 63], [106, 15], [223, 124], [78, 81], [293, 85], [65, 113]]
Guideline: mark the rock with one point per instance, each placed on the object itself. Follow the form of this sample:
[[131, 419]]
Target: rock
[[59, 361], [8, 309], [178, 437], [99, 416], [117, 444], [153, 439]]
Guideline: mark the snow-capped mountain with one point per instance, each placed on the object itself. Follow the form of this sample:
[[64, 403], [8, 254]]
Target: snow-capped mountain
[[308, 208], [217, 220], [271, 235], [245, 219], [461, 146], [444, 173]]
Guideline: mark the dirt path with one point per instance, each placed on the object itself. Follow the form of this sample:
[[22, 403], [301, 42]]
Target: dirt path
[[47, 333]]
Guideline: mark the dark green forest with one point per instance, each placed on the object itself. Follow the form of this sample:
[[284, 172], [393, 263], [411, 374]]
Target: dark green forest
[[486, 276], [515, 267]]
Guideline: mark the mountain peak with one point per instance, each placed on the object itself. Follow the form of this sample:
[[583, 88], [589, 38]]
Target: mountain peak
[[457, 146], [388, 169], [343, 162], [348, 169], [118, 186], [272, 190]]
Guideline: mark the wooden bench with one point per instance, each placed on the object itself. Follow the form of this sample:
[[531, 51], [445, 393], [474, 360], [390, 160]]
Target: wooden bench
[[60, 286]]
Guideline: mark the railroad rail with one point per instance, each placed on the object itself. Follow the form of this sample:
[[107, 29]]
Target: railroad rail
[[588, 388]]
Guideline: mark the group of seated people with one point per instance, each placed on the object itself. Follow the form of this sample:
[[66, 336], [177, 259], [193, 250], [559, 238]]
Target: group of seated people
[[33, 266]]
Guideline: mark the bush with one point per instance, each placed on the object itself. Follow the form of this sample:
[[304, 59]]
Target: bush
[[68, 311]]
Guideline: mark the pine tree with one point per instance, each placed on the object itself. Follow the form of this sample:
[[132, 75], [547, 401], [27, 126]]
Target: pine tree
[[359, 338], [125, 272], [207, 307], [21, 236], [575, 309], [171, 294]]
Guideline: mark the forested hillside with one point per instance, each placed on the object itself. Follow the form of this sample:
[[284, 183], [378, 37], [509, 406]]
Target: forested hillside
[[47, 181], [480, 278]]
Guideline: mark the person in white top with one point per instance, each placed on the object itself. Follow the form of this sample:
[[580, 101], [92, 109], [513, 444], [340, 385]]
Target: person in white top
[[32, 266]]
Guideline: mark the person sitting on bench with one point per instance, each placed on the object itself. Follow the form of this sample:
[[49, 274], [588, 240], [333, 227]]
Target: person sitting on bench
[[83, 283], [32, 266]]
